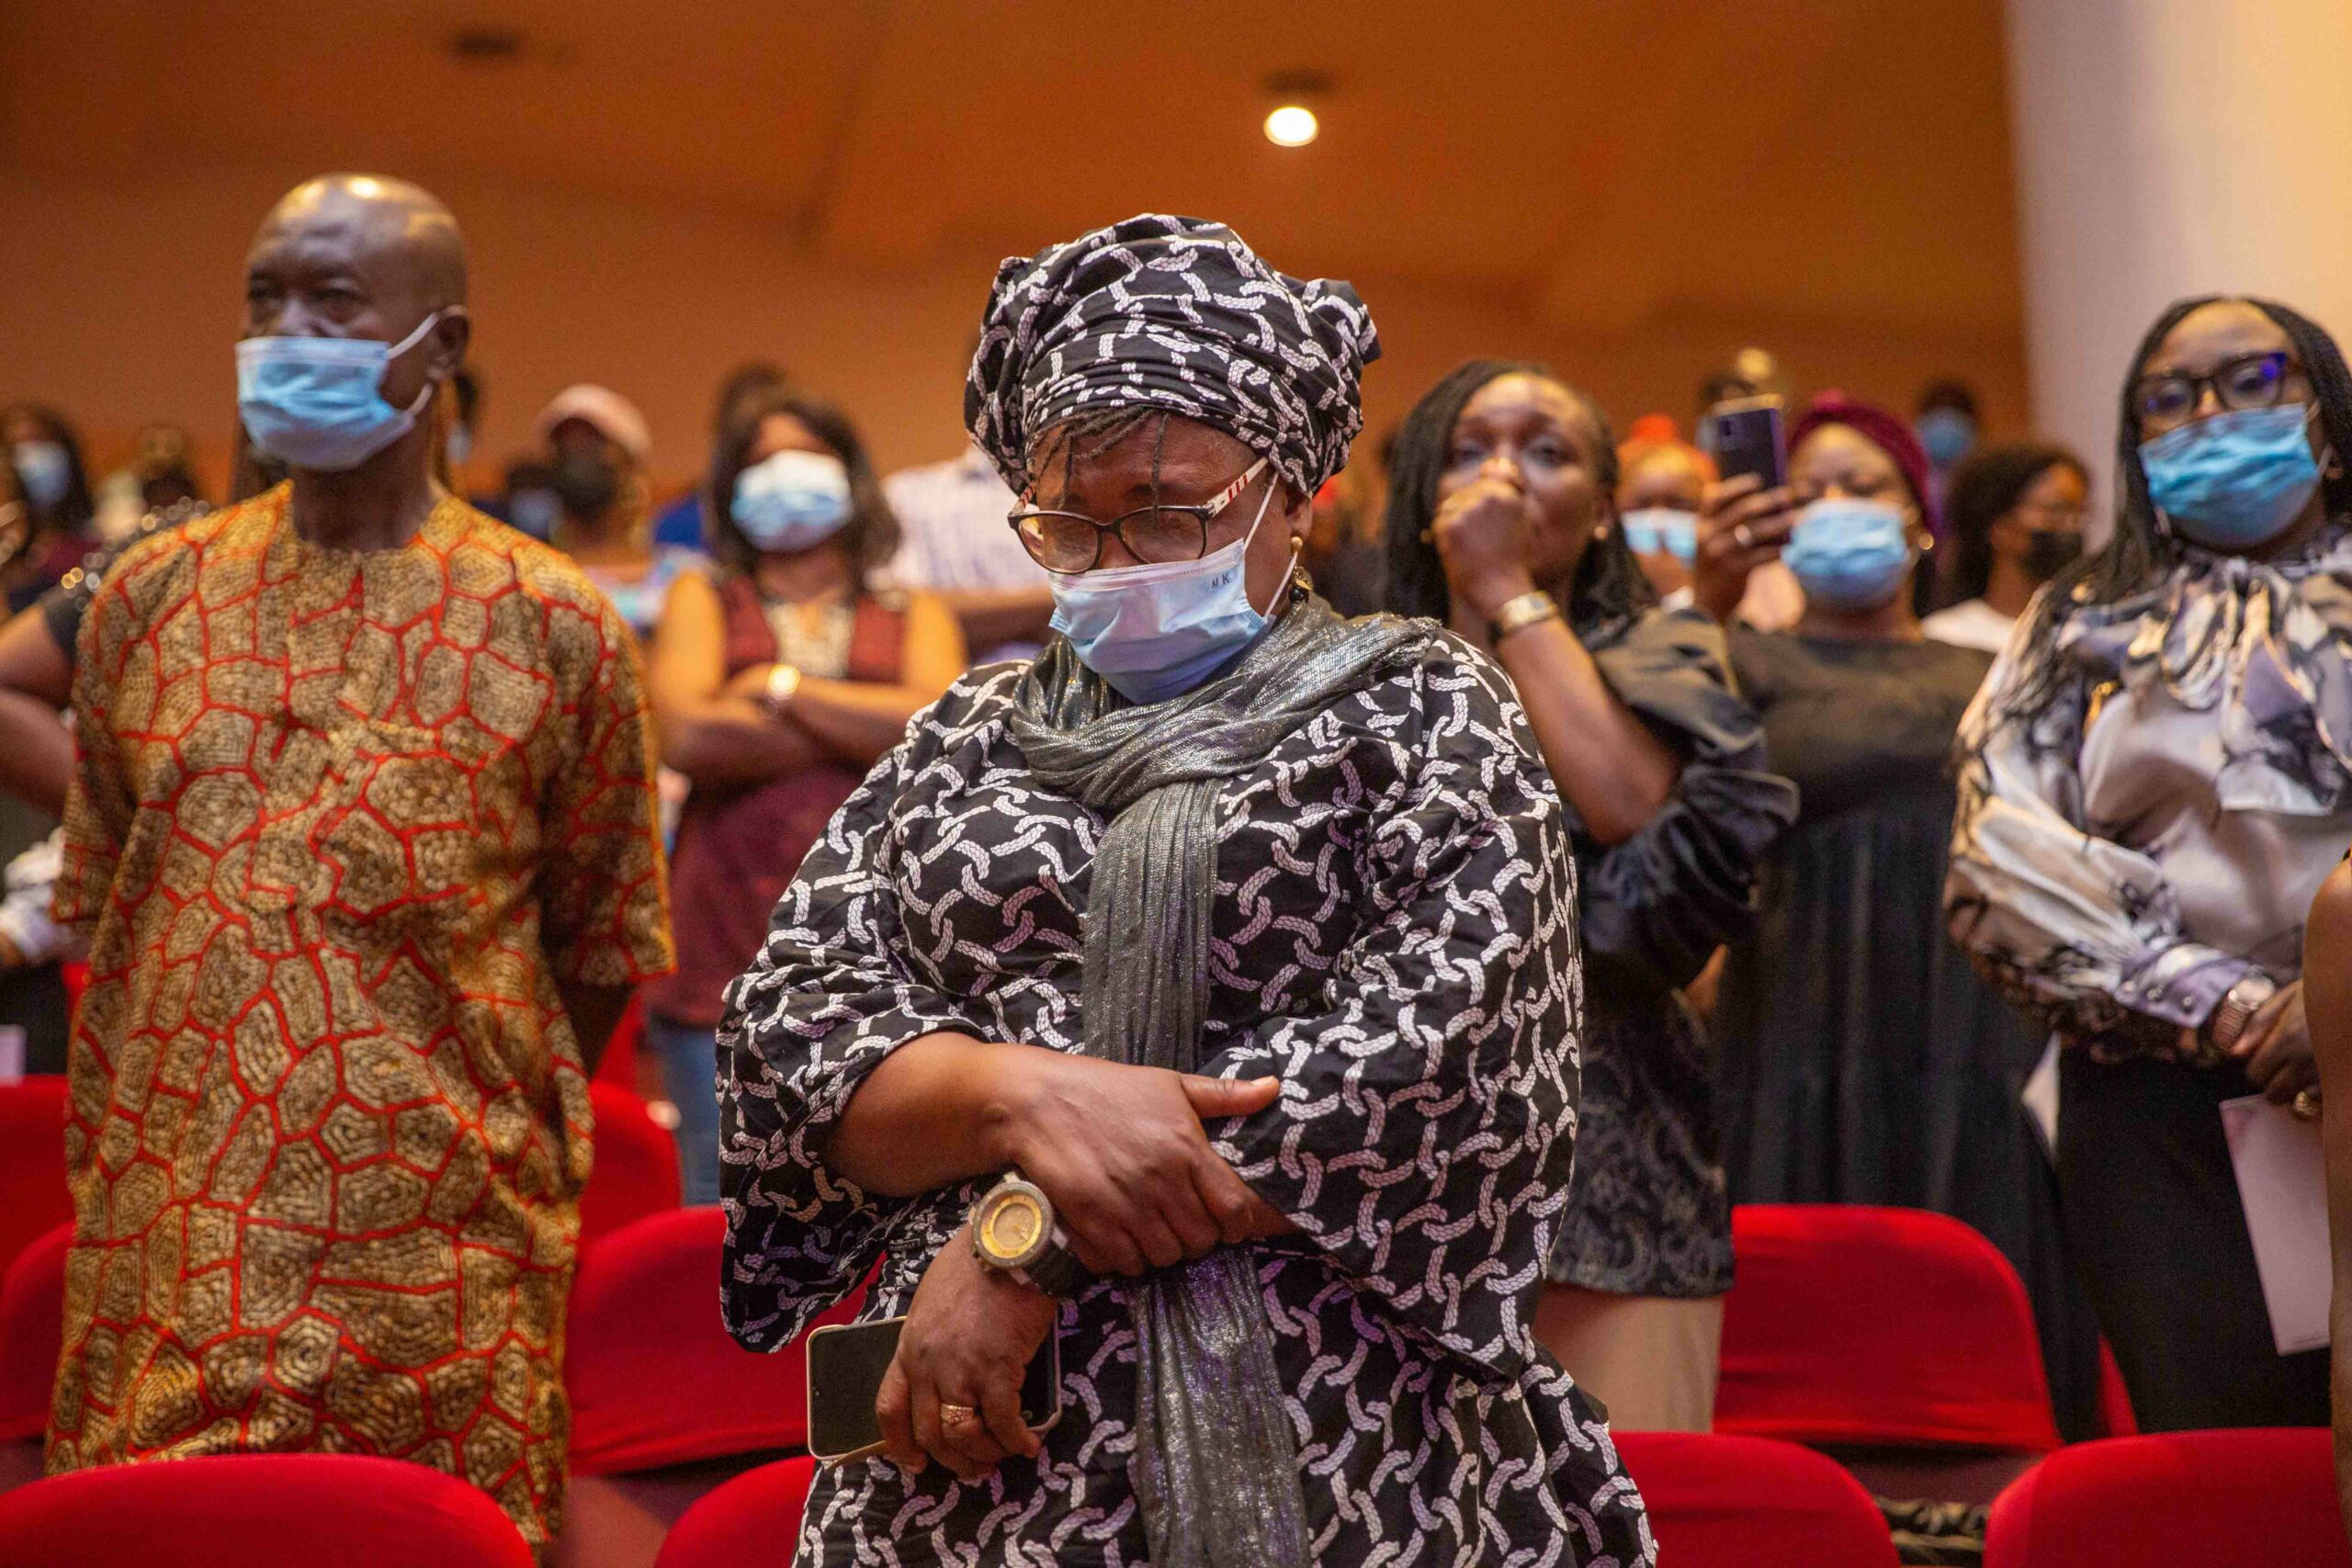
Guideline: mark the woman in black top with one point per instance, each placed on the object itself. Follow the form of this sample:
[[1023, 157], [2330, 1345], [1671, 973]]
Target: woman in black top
[[1500, 510], [1862, 1060]]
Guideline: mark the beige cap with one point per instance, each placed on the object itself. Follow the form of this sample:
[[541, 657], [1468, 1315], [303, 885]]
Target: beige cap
[[602, 410]]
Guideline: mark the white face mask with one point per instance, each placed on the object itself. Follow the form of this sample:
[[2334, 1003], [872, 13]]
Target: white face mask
[[1155, 632], [318, 402], [792, 500]]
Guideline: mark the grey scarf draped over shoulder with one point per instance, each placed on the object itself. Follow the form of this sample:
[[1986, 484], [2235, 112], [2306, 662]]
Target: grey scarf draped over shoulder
[[1215, 1466]]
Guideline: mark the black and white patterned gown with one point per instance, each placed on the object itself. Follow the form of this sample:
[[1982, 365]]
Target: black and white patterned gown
[[1395, 938]]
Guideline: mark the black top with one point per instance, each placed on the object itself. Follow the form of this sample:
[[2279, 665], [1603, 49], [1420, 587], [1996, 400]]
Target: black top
[[1648, 1214]]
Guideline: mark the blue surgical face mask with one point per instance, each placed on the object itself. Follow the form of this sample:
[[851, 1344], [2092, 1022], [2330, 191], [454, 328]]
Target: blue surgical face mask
[[43, 471], [1649, 529], [318, 402], [793, 500], [1156, 632], [1849, 554], [1948, 435], [2236, 479]]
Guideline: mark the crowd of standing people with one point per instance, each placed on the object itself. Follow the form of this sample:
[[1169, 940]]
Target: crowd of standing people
[[1385, 926]]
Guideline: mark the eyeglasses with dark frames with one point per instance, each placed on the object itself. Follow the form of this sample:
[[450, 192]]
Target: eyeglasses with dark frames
[[1070, 542], [2248, 381]]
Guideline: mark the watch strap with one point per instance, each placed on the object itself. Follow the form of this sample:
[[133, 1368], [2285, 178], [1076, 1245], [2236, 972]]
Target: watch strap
[[1517, 614]]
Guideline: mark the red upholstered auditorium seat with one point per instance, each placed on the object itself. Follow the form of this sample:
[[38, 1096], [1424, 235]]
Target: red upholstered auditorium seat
[[33, 1200], [636, 1164], [314, 1510], [753, 1518], [664, 1405], [33, 1332], [618, 1065], [1899, 1340], [1725, 1502], [2257, 1498]]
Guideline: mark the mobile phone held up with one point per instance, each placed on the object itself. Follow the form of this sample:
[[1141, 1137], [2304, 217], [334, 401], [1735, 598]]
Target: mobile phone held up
[[1745, 437], [845, 1367]]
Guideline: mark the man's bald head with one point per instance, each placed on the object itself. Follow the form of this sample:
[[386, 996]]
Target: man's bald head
[[400, 226]]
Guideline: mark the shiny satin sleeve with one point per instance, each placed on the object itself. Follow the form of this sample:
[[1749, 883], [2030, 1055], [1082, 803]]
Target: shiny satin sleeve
[[826, 1001], [1423, 1137], [2083, 932], [1656, 906]]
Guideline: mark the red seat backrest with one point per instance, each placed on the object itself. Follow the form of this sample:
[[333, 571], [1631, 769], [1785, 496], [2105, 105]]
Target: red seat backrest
[[33, 1198], [2254, 1498], [32, 1334], [635, 1172], [753, 1518], [233, 1512], [654, 1378], [1726, 1502], [1848, 1324], [617, 1066]]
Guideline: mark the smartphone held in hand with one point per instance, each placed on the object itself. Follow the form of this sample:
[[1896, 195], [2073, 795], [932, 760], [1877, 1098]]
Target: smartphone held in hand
[[845, 1366]]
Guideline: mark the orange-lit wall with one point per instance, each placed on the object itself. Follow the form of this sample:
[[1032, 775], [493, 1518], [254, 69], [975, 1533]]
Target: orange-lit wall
[[121, 301]]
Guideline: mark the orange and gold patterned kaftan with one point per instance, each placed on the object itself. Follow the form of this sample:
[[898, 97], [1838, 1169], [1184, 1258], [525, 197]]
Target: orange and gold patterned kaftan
[[341, 824]]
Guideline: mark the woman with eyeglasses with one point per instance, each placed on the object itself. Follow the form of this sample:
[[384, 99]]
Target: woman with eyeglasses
[[1860, 1060], [1501, 524], [2156, 783], [776, 682], [2013, 520], [1222, 958]]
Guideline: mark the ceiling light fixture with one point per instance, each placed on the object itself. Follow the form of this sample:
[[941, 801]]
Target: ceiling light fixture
[[1291, 121], [1292, 125]]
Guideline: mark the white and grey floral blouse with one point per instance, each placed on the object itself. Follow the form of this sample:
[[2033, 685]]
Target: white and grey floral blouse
[[2157, 827], [1395, 938]]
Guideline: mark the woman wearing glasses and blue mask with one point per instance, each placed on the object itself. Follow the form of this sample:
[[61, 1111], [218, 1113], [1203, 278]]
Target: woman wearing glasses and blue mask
[[1229, 941], [2156, 782], [1862, 1060], [775, 681]]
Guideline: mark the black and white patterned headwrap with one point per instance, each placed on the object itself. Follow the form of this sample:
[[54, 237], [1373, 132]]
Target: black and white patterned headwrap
[[1173, 313]]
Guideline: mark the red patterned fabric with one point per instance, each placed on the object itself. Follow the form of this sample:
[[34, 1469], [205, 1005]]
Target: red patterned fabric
[[635, 1172], [310, 1511], [654, 1378], [1886, 1327], [2255, 1499], [342, 824], [33, 1330], [34, 1198], [1725, 1502], [753, 1518]]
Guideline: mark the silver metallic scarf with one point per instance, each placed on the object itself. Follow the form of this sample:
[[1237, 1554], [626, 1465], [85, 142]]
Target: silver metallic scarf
[[1215, 1465]]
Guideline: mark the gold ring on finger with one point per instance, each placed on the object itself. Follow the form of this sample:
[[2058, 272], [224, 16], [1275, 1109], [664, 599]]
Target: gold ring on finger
[[957, 1415], [2307, 1104], [1743, 536]]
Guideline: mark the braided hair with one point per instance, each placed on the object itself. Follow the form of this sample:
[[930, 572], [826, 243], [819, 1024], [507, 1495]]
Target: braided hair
[[2142, 549], [1609, 588], [1983, 489]]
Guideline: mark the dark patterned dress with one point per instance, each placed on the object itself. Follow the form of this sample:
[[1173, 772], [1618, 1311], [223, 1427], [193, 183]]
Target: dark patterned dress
[[1395, 938], [1647, 1212]]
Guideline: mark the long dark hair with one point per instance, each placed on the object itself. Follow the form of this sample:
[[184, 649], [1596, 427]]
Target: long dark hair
[[2142, 549], [1609, 588], [871, 536], [73, 509], [1984, 488]]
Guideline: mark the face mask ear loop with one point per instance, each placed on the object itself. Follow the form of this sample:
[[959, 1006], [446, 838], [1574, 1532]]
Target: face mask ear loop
[[425, 393]]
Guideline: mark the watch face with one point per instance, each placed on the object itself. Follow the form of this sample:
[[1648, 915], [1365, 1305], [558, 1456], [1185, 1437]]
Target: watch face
[[1012, 1228]]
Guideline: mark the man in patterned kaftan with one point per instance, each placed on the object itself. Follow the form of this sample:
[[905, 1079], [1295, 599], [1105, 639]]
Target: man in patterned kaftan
[[362, 834]]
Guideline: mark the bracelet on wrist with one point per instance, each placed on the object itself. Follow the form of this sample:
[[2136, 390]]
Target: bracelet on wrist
[[1529, 609]]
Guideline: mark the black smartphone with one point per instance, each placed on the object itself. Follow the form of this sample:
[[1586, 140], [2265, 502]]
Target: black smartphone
[[1745, 438], [845, 1366]]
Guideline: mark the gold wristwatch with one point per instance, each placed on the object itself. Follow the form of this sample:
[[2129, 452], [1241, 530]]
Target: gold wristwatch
[[1517, 614], [1014, 1233], [784, 683], [2237, 1007]]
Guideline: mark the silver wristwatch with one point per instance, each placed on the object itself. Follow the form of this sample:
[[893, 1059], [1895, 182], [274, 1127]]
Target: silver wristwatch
[[2237, 1007]]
